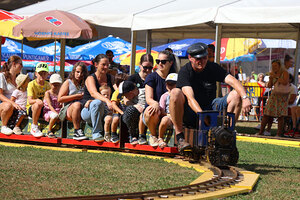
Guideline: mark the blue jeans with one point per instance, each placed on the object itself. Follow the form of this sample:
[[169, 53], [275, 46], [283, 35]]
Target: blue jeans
[[94, 115]]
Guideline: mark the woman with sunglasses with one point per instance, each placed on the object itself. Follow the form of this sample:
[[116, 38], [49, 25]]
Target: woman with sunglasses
[[155, 87], [146, 66]]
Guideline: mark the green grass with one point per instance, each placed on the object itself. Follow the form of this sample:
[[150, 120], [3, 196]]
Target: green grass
[[278, 167], [27, 173], [248, 127]]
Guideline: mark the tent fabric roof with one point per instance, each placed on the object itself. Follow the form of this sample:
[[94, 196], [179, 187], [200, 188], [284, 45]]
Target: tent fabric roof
[[186, 18]]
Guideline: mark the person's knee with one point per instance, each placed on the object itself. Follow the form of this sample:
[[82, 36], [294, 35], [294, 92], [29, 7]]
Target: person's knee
[[176, 95], [37, 106], [76, 106], [7, 106], [108, 119], [234, 98]]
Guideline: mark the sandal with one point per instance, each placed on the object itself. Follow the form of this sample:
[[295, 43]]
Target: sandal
[[161, 143], [50, 134]]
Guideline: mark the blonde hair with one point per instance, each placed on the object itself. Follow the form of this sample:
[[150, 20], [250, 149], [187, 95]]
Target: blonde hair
[[105, 87]]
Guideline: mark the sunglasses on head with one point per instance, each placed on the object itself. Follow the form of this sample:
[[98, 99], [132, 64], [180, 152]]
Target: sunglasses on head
[[147, 67], [161, 61]]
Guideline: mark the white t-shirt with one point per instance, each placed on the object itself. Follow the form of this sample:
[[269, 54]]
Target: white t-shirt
[[293, 90], [21, 98], [7, 88]]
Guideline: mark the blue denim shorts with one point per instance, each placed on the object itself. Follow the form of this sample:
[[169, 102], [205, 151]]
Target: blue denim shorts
[[219, 103]]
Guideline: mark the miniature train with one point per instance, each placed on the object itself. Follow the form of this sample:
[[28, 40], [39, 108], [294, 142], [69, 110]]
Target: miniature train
[[214, 140]]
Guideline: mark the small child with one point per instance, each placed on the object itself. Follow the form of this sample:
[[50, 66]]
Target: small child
[[164, 104], [51, 105], [109, 124], [35, 92], [19, 96]]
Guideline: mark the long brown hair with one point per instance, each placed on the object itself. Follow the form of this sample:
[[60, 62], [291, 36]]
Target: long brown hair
[[84, 74], [7, 66]]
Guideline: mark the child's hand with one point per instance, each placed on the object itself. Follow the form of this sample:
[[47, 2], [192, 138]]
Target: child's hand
[[16, 106], [87, 103]]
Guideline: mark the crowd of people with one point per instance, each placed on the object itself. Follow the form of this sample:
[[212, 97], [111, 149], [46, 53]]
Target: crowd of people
[[170, 96]]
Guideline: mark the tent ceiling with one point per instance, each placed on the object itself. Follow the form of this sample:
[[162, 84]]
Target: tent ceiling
[[180, 19]]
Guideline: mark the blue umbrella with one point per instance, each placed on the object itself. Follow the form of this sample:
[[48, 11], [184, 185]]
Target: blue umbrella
[[90, 50], [12, 47], [180, 47], [49, 48]]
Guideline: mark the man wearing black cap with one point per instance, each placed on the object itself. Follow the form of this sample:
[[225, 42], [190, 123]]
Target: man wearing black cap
[[192, 95]]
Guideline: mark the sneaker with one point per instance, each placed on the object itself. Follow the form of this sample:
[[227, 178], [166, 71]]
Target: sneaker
[[35, 131], [17, 130], [290, 133], [153, 141], [107, 137], [142, 140], [257, 127], [182, 145], [114, 138], [267, 133], [79, 135], [297, 134], [134, 141], [99, 139], [5, 130]]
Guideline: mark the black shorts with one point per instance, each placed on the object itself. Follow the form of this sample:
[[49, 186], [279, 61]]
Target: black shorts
[[30, 112]]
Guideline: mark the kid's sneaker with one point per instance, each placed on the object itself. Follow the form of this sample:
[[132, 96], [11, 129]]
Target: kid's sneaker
[[114, 138], [35, 131], [17, 130], [107, 137], [153, 141]]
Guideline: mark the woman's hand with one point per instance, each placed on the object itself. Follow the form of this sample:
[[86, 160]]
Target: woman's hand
[[154, 108], [86, 105], [109, 104]]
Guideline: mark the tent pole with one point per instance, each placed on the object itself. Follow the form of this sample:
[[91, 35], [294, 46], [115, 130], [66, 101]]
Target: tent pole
[[133, 49], [148, 41], [297, 59], [62, 58], [218, 53], [54, 55], [270, 60], [0, 51]]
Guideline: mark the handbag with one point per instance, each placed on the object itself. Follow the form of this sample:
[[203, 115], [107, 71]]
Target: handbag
[[63, 112], [281, 89]]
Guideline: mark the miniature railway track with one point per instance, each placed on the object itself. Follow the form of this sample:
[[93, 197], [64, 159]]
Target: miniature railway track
[[222, 178]]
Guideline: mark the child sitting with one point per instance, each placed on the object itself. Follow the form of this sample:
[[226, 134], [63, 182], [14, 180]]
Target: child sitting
[[110, 123], [118, 106], [164, 104], [51, 105], [19, 96], [36, 91]]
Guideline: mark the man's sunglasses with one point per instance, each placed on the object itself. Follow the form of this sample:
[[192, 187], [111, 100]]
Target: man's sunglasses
[[161, 61], [147, 67]]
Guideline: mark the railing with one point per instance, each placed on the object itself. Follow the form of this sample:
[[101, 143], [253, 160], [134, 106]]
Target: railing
[[258, 100]]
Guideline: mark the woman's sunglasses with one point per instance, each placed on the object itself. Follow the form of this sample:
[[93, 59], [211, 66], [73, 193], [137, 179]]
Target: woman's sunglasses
[[147, 67], [161, 61]]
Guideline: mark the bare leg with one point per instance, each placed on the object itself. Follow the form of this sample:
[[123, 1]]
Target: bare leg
[[176, 107], [6, 110], [36, 111], [20, 121], [114, 124], [234, 104], [141, 125], [280, 125], [164, 124], [151, 121], [270, 122], [73, 114], [264, 122], [107, 123], [51, 123]]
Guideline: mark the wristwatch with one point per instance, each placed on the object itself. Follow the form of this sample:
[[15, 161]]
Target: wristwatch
[[245, 97]]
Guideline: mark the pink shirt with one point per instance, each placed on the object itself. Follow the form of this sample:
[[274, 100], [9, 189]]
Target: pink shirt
[[21, 98]]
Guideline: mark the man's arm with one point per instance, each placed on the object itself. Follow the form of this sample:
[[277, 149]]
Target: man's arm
[[189, 93], [233, 82]]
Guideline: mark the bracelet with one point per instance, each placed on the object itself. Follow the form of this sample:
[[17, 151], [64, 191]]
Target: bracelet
[[245, 97]]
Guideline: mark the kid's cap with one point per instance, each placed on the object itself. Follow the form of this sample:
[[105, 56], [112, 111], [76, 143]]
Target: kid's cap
[[41, 66], [172, 77], [55, 78], [126, 86]]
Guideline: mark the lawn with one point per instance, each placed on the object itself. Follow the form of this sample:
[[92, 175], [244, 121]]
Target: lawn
[[38, 173], [27, 173]]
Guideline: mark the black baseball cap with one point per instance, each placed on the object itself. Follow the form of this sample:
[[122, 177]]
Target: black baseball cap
[[126, 86], [198, 50]]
